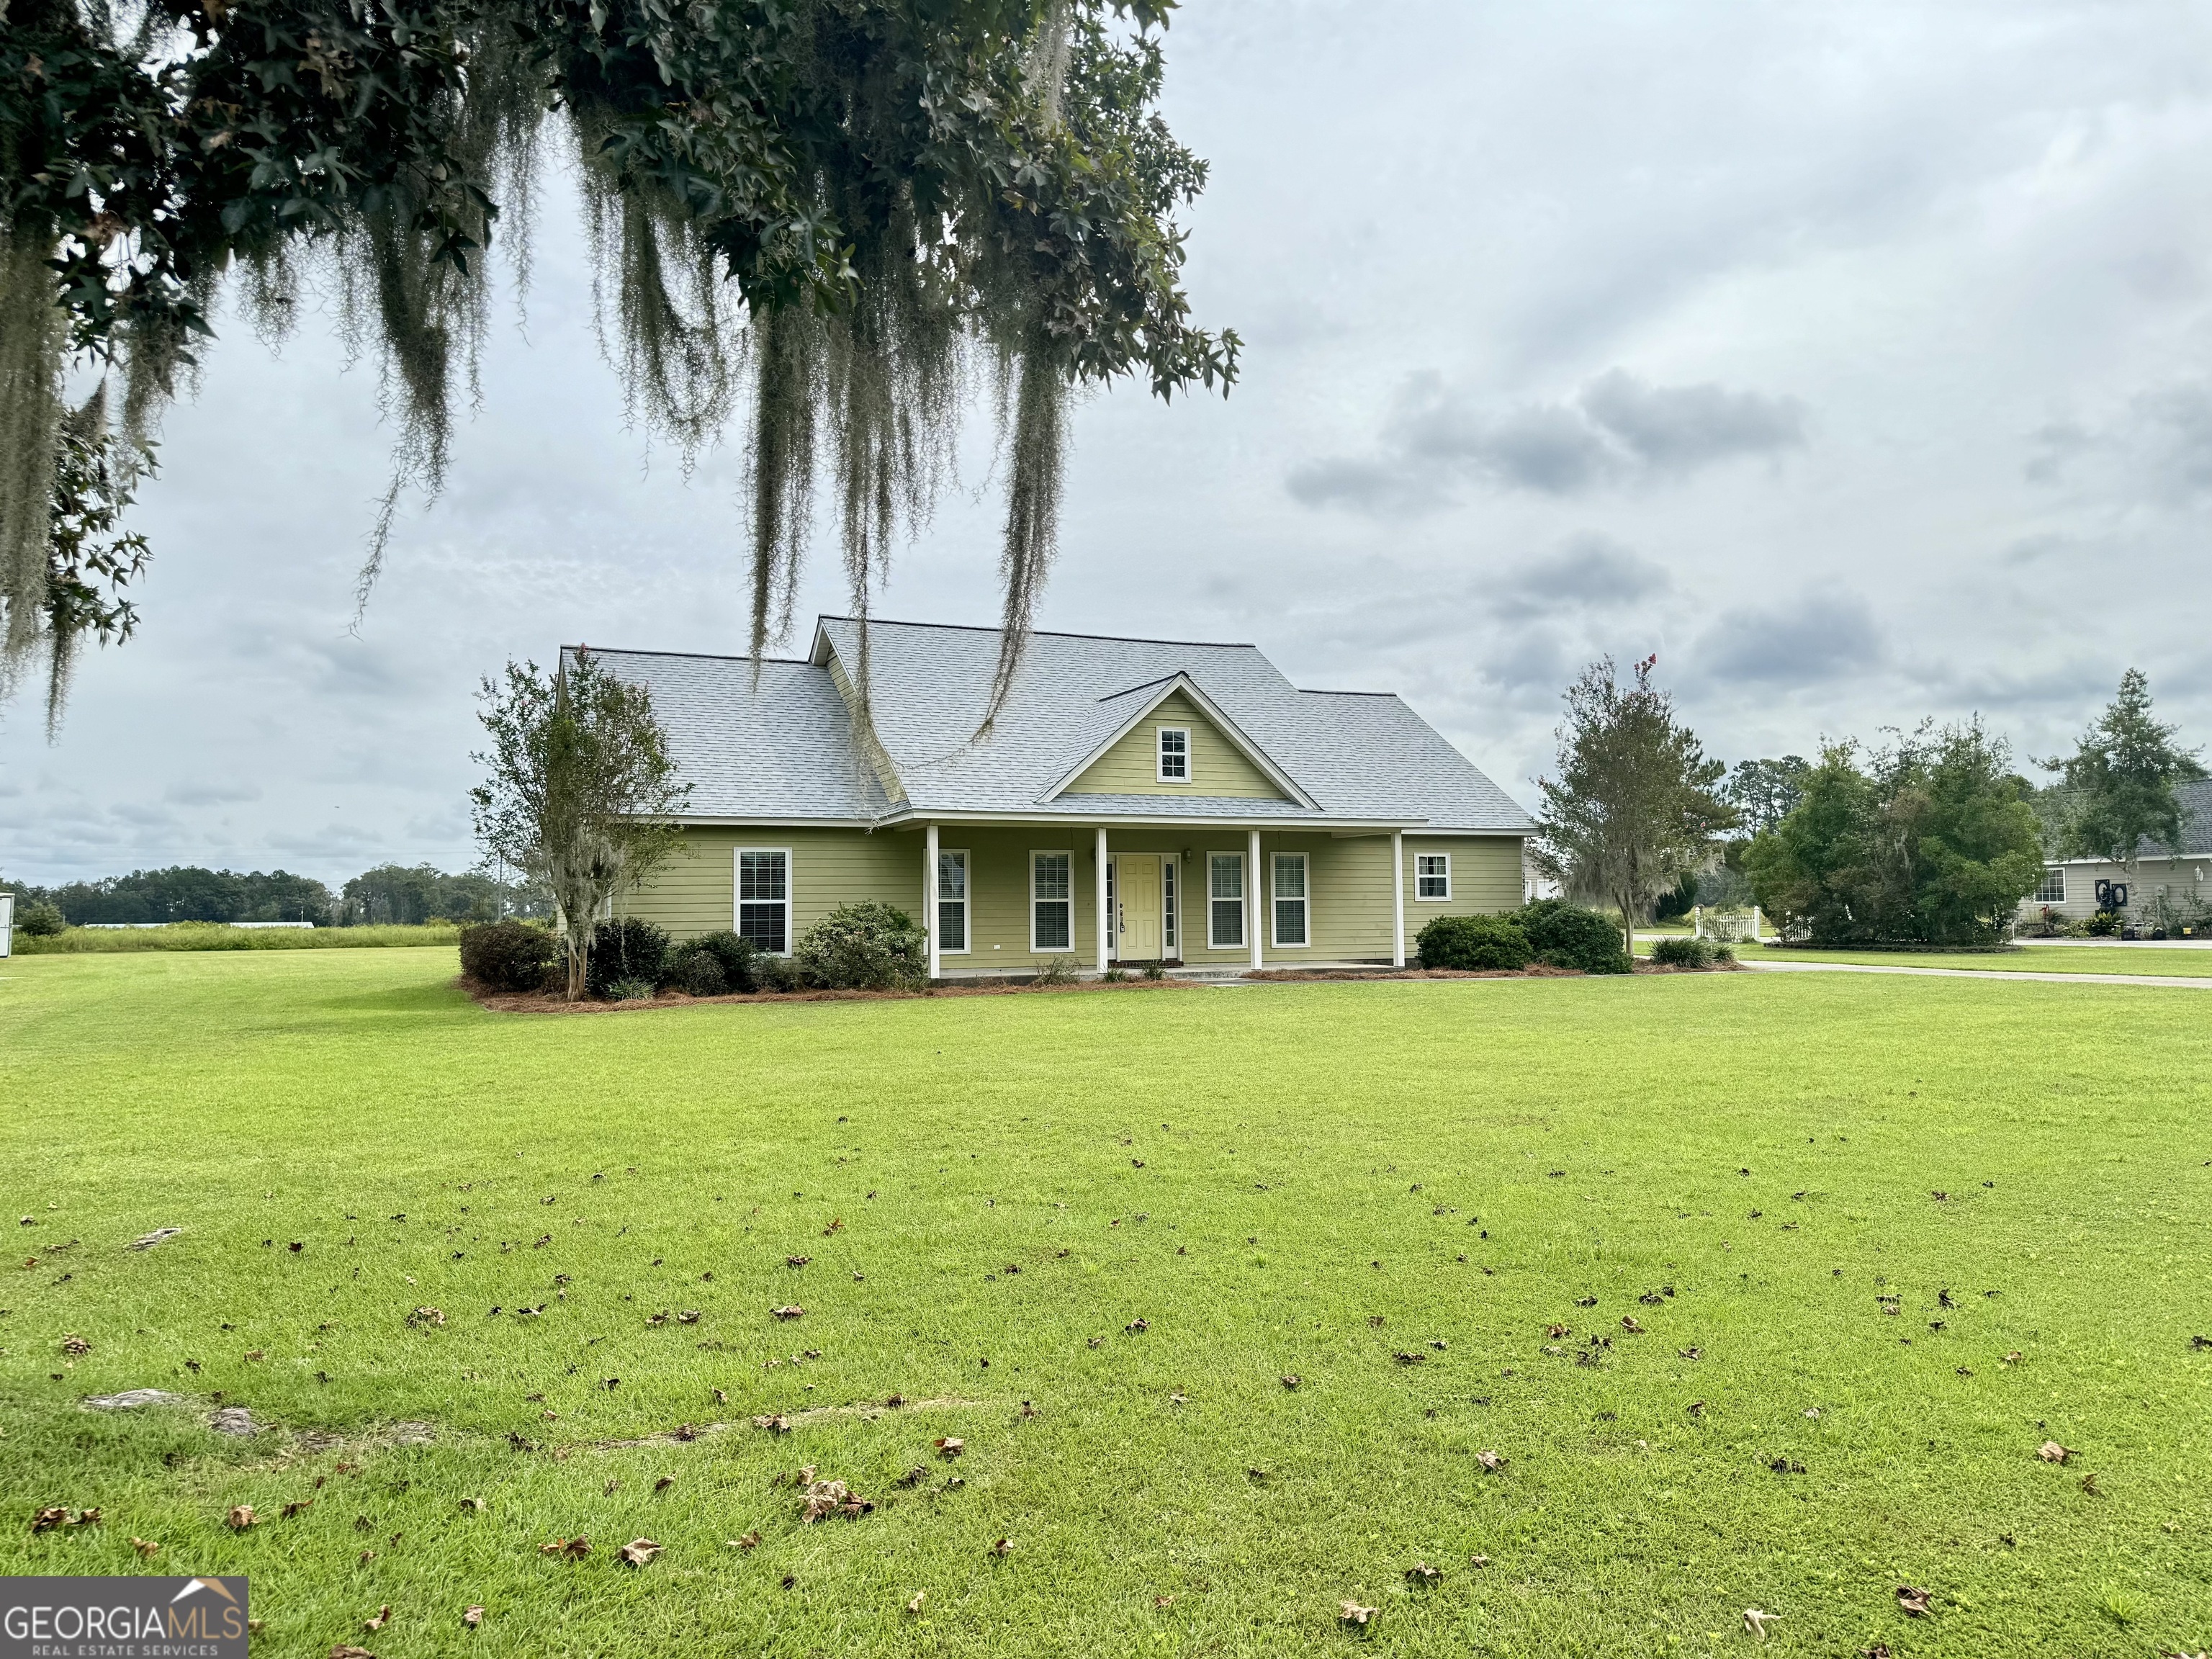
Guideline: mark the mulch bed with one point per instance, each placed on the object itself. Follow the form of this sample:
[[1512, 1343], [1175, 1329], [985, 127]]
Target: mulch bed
[[510, 1002]]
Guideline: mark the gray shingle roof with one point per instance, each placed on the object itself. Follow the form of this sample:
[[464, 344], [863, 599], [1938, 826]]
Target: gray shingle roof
[[2195, 822], [788, 752]]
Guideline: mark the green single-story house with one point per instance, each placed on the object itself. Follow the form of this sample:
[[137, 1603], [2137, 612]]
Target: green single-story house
[[1136, 801]]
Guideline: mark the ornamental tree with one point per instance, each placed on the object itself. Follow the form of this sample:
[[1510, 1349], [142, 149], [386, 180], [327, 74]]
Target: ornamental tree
[[580, 790]]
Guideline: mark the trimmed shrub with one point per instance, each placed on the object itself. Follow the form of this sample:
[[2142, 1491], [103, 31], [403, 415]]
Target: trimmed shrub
[[1566, 935], [697, 974], [1057, 970], [736, 957], [1680, 952], [507, 955], [628, 948], [630, 990], [1475, 943], [866, 946], [772, 973], [40, 921]]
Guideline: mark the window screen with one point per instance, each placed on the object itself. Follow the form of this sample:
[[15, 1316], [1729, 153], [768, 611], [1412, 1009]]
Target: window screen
[[1432, 876], [764, 900], [952, 901], [1289, 898], [1052, 902], [1224, 888], [1174, 754]]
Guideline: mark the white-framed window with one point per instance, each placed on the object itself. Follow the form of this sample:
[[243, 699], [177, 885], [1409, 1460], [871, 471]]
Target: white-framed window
[[1168, 906], [1291, 901], [1174, 749], [763, 883], [2053, 890], [1052, 902], [1225, 900], [953, 902], [1433, 875]]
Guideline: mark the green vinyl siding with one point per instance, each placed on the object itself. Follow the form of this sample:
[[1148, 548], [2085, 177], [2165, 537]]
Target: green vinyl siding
[[695, 891], [1217, 767], [1485, 876], [1347, 882]]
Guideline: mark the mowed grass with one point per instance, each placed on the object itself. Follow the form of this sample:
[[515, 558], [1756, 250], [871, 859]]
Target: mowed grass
[[2027, 959], [1258, 1174], [214, 936]]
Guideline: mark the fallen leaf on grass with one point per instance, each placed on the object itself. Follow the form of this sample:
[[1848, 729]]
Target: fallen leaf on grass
[[1421, 1574], [146, 1547], [1137, 1327], [1161, 1603], [1478, 1560], [297, 1507], [367, 1556], [749, 1541], [242, 1517], [1292, 1381], [774, 1422], [1629, 1323], [473, 1505], [347, 1651], [576, 1549], [791, 1311], [1004, 1547], [2089, 1484], [797, 1260], [639, 1550], [664, 1483], [1555, 1331], [75, 1347], [914, 1605], [1689, 1353], [1490, 1460], [1350, 1612], [914, 1477], [50, 1517], [472, 1615], [1403, 1358], [828, 1497], [1755, 1621], [379, 1620], [836, 1225], [428, 1318], [2052, 1452], [1697, 1408], [1913, 1603], [950, 1446]]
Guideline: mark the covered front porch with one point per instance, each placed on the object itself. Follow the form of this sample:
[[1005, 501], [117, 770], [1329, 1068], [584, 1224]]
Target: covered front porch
[[1003, 900]]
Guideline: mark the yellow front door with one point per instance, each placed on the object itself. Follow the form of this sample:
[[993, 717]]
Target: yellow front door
[[1137, 898]]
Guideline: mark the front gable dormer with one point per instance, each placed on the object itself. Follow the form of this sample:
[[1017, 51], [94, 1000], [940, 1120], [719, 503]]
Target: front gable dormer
[[1176, 741]]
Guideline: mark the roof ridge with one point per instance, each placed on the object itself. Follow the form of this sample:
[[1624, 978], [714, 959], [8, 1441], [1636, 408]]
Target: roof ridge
[[695, 656], [1311, 691], [1045, 633]]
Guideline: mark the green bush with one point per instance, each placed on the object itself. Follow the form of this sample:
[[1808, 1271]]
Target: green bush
[[1566, 935], [695, 973], [772, 973], [1475, 943], [628, 948], [1680, 952], [630, 990], [40, 921], [866, 946], [737, 957], [507, 955], [1057, 970]]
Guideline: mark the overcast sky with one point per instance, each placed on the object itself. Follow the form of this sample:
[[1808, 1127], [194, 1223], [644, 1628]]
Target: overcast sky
[[1856, 359]]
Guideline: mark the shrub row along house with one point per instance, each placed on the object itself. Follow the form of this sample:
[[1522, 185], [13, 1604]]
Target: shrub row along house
[[1136, 801]]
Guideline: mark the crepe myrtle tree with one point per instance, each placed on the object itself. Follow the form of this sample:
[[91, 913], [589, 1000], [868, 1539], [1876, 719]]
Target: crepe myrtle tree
[[580, 790], [1632, 809]]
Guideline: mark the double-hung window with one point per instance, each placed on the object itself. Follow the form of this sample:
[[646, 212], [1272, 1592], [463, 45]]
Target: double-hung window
[[1289, 899], [2053, 890], [1433, 875], [1174, 754], [952, 902], [764, 898], [1225, 900], [1052, 901]]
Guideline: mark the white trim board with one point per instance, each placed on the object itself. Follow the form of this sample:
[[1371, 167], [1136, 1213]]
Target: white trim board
[[1212, 711]]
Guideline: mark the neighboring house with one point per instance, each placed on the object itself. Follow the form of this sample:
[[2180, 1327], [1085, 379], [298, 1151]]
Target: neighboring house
[[1136, 800], [2181, 875]]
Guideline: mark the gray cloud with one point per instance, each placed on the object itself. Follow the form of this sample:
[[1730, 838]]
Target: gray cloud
[[1821, 636], [1617, 430], [2160, 445], [1588, 571], [210, 795]]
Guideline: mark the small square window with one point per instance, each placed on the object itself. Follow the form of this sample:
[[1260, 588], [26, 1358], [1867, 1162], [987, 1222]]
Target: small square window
[[2053, 890], [1432, 876], [1174, 754]]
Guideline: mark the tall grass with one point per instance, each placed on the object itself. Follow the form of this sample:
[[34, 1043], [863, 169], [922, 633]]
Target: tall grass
[[217, 936]]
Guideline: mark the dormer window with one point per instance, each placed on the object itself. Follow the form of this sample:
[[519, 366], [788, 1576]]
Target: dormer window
[[1174, 754]]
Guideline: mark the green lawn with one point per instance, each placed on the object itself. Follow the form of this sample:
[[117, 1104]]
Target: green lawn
[[2027, 959], [1282, 1180]]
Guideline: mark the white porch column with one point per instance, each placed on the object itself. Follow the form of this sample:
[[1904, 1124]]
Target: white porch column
[[1397, 898], [929, 914], [1257, 901], [1105, 916]]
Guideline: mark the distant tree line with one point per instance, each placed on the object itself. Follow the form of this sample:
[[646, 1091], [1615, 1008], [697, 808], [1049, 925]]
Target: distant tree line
[[389, 894]]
